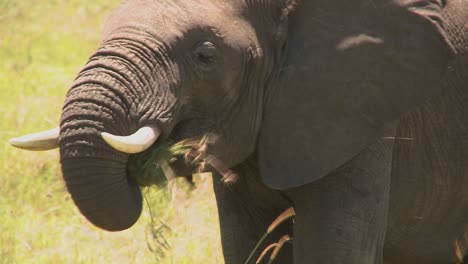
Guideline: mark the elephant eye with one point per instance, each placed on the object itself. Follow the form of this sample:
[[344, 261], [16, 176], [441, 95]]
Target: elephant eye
[[205, 54]]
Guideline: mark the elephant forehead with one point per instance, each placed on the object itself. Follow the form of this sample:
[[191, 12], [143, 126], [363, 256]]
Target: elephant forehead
[[171, 20]]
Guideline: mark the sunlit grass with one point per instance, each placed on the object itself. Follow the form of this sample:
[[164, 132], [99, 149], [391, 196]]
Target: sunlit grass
[[42, 47]]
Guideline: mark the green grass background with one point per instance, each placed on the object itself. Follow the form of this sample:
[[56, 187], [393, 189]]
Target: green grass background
[[43, 44]]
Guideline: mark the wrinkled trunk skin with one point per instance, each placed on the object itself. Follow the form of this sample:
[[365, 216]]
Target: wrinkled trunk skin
[[94, 173], [102, 192], [113, 94]]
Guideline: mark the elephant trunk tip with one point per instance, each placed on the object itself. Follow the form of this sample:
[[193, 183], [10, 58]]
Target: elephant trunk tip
[[103, 193]]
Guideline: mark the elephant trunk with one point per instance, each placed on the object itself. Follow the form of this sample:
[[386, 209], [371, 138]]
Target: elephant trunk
[[96, 174], [103, 192], [117, 92]]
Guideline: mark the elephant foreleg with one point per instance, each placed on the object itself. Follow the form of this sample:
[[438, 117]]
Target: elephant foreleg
[[342, 217], [246, 208]]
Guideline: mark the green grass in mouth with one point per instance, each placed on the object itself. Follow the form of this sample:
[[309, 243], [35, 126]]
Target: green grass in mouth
[[147, 168]]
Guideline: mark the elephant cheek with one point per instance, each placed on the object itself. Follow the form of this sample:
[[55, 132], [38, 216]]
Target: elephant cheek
[[102, 192]]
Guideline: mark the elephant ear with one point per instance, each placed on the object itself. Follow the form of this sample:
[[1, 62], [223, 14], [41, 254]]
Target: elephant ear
[[349, 72]]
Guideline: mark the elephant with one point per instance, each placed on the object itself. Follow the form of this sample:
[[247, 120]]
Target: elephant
[[352, 112]]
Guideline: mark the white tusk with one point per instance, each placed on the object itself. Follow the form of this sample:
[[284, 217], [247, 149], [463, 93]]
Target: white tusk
[[45, 140], [135, 143]]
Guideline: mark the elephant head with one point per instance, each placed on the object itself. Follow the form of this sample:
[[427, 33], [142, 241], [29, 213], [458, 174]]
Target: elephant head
[[268, 78]]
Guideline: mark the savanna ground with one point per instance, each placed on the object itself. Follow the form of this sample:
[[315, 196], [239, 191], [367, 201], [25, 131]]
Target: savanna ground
[[43, 44]]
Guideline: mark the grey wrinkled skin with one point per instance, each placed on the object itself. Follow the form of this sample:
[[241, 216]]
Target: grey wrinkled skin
[[353, 112]]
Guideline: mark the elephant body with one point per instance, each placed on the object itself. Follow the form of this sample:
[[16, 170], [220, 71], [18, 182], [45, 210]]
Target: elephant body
[[352, 112], [425, 161], [429, 171]]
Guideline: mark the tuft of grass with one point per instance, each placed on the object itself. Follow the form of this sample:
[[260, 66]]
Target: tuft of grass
[[149, 166], [42, 47]]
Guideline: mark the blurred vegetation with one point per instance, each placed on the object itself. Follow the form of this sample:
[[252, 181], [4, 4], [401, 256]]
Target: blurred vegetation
[[43, 44]]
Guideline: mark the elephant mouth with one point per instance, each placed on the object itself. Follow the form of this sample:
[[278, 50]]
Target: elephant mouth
[[162, 162], [179, 155]]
